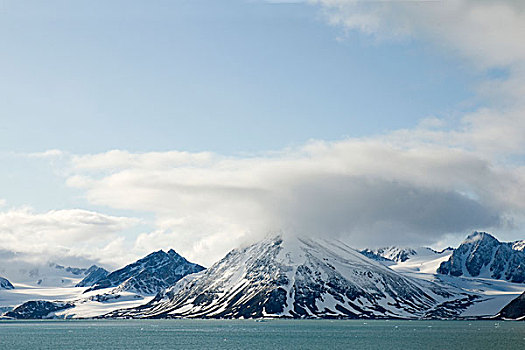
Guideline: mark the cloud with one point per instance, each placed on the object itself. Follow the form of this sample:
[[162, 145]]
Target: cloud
[[64, 234], [51, 153], [367, 191], [486, 34], [413, 186]]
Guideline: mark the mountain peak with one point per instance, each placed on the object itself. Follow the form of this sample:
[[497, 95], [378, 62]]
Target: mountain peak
[[480, 236], [150, 274], [482, 255]]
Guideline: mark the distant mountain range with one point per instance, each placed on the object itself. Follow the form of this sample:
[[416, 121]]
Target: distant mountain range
[[295, 277], [130, 284], [49, 274]]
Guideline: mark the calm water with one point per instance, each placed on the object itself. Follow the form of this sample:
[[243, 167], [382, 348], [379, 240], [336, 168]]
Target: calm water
[[273, 334]]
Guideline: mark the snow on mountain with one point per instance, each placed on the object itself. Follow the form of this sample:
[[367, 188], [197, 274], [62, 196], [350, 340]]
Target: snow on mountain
[[72, 303], [93, 275], [393, 253], [149, 275], [482, 255], [519, 245], [5, 284], [131, 286], [297, 278], [369, 253], [399, 256], [37, 274]]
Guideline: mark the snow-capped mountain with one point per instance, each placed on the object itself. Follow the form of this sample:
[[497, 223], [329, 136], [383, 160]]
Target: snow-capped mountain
[[37, 309], [133, 285], [5, 284], [300, 277], [149, 275], [395, 254], [515, 309], [93, 275], [482, 255]]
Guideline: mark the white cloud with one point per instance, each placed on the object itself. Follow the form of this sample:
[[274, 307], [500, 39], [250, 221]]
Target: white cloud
[[51, 153], [370, 191], [3, 202], [64, 234], [487, 34]]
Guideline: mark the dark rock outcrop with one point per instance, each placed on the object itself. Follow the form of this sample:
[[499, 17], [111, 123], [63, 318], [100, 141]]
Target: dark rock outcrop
[[482, 255]]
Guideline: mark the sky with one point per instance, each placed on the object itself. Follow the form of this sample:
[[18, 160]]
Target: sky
[[133, 126]]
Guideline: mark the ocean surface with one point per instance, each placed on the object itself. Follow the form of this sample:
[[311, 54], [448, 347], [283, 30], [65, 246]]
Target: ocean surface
[[268, 334]]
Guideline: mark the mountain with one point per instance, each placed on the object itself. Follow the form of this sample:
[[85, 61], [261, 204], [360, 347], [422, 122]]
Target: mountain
[[395, 254], [482, 255], [38, 309], [5, 284], [21, 269], [133, 285], [149, 275], [371, 254], [298, 278], [93, 275], [515, 309]]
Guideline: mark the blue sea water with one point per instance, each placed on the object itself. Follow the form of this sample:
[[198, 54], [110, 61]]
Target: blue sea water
[[269, 334]]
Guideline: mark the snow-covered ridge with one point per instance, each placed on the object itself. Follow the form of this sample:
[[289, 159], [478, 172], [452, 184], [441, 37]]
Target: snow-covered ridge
[[133, 285], [296, 277], [398, 254], [50, 274], [277, 277]]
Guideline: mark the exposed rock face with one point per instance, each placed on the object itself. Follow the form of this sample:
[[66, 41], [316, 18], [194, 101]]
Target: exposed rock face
[[93, 275], [5, 284], [515, 309], [371, 254], [37, 309], [397, 255], [299, 278], [482, 255], [149, 275]]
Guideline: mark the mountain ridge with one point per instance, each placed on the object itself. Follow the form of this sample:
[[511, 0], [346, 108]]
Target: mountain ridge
[[482, 255], [303, 279]]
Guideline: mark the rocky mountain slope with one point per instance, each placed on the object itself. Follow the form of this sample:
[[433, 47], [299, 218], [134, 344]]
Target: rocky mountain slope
[[298, 278], [482, 255], [93, 275], [515, 309], [395, 254], [133, 285], [5, 284], [149, 275]]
